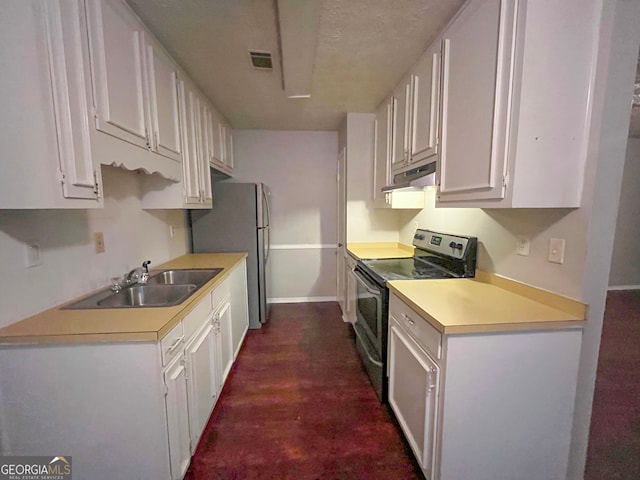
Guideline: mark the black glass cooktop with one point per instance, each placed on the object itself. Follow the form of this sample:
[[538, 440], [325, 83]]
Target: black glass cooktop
[[406, 269]]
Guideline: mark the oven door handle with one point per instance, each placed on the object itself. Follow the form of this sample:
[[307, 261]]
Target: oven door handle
[[373, 291], [366, 349]]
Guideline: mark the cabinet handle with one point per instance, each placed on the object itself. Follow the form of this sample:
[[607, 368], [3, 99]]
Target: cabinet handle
[[175, 344], [408, 319], [431, 385], [156, 140], [147, 138]]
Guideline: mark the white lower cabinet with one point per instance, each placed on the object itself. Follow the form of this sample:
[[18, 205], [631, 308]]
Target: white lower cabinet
[[483, 406], [239, 306], [201, 380], [145, 404], [178, 432], [413, 383], [225, 339]]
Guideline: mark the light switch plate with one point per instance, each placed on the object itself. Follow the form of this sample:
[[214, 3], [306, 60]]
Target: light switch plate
[[556, 250], [98, 241], [523, 246], [32, 254]]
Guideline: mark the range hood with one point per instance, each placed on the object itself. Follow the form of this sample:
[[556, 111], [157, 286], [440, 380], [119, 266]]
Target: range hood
[[405, 179]]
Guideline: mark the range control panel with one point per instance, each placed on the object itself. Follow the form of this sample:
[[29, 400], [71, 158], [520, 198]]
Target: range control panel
[[455, 246]]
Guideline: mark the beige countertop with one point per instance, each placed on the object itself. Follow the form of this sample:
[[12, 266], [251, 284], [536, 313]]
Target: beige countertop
[[379, 250], [487, 304], [119, 324]]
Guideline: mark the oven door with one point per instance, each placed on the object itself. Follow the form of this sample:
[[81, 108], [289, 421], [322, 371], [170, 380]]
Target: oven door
[[370, 306]]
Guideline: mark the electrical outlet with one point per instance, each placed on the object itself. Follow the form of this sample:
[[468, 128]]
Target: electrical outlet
[[32, 254], [556, 250], [98, 242], [172, 231], [523, 246]]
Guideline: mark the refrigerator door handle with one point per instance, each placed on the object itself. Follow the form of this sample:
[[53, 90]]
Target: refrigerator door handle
[[268, 245], [265, 199]]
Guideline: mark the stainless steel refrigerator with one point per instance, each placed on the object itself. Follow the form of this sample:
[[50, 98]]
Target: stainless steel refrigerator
[[239, 222]]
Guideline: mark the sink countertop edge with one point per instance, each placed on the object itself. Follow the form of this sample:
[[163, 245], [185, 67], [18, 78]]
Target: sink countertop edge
[[112, 325]]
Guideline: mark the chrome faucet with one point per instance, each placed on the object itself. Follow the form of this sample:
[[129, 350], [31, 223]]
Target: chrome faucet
[[139, 274]]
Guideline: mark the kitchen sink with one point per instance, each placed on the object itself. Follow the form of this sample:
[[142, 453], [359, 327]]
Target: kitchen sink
[[182, 277], [148, 296], [163, 289]]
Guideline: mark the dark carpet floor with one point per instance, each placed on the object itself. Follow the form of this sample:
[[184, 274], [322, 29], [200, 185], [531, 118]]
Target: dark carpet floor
[[614, 438], [298, 405]]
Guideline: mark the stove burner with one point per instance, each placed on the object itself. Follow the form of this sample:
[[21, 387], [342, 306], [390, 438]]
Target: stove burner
[[406, 269]]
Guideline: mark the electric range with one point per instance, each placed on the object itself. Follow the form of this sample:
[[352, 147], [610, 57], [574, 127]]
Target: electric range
[[436, 256]]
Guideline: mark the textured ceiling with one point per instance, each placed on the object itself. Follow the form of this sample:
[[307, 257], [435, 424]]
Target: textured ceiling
[[364, 47]]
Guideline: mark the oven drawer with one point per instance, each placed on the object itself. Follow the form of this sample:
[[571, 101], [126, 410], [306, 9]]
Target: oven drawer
[[428, 337]]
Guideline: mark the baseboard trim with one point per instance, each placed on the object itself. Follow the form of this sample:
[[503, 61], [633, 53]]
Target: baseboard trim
[[623, 287], [302, 299], [304, 246]]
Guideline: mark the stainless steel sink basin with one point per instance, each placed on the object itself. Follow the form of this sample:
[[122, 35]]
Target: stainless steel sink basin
[[182, 277], [163, 289], [148, 296]]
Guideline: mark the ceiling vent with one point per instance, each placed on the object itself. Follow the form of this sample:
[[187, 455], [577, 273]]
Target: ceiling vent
[[261, 60]]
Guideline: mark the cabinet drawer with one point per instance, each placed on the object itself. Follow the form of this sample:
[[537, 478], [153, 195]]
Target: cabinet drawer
[[220, 294], [172, 344], [427, 336], [196, 318]]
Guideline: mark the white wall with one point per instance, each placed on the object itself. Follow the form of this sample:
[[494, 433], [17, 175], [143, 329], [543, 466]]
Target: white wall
[[300, 169], [70, 267], [625, 262], [497, 231], [364, 223]]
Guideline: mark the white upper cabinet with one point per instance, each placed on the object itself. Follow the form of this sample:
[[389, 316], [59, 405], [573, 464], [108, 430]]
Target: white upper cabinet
[[221, 156], [197, 179], [383, 140], [515, 103], [415, 119], [117, 55], [135, 81], [382, 150], [400, 124], [228, 149], [425, 87], [163, 91], [222, 159], [476, 68], [45, 136]]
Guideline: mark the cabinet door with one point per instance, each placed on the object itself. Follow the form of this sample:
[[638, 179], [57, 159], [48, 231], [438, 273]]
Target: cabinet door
[[201, 381], [226, 340], [477, 58], [69, 75], [413, 392], [239, 305], [401, 125], [425, 83], [222, 136], [382, 159], [204, 145], [228, 148], [175, 380], [163, 99], [116, 45], [216, 145], [189, 117]]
